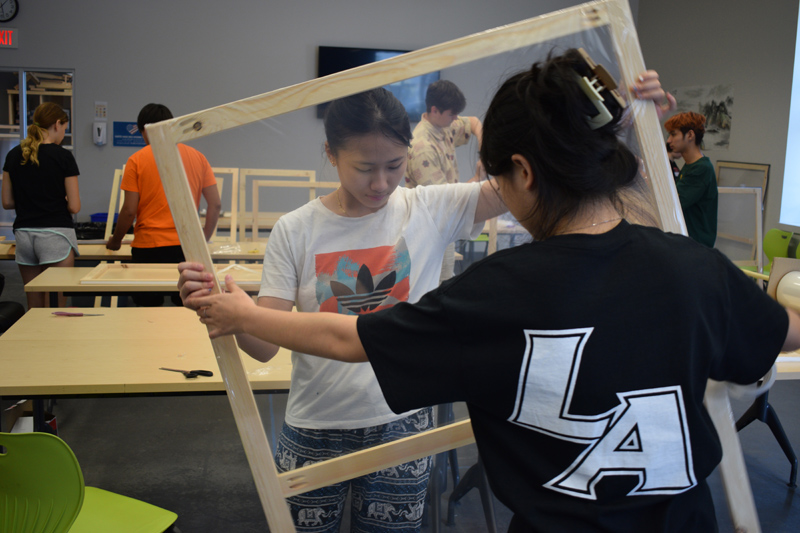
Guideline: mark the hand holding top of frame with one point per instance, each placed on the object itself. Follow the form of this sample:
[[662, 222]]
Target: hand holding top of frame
[[648, 87]]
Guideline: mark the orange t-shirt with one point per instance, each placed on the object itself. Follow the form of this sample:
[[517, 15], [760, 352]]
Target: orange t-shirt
[[154, 225]]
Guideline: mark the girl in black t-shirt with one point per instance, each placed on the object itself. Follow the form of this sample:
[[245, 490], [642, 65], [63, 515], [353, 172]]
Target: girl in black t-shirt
[[40, 181], [579, 355]]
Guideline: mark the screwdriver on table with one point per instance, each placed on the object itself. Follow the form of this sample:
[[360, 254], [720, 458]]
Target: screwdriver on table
[[190, 373]]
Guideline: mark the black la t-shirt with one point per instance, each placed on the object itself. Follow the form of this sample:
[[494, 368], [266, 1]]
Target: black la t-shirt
[[583, 360], [39, 190]]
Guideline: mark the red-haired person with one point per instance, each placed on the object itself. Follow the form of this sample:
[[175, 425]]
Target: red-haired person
[[697, 182]]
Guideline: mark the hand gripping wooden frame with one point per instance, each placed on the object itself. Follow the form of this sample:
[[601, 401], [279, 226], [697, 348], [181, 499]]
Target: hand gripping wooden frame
[[164, 136]]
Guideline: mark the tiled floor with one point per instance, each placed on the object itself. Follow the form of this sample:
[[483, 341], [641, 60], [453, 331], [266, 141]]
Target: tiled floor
[[184, 454]]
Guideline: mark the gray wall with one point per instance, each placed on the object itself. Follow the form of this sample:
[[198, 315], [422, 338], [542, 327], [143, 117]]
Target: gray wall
[[194, 55], [748, 44], [191, 55]]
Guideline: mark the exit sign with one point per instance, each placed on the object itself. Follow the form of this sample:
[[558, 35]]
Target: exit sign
[[9, 38]]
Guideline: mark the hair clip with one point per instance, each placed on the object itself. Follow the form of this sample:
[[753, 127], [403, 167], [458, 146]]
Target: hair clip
[[601, 81]]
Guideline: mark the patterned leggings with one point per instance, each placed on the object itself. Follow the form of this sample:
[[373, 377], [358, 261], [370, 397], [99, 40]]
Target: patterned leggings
[[391, 500]]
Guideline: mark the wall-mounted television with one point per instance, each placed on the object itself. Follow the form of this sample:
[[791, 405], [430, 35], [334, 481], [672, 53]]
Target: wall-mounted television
[[410, 92]]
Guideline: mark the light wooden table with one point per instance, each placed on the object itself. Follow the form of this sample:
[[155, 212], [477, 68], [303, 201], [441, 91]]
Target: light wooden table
[[119, 352], [220, 251], [68, 279], [240, 251], [788, 366], [88, 252]]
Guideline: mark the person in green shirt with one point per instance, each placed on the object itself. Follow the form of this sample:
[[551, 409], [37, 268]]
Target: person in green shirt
[[697, 182]]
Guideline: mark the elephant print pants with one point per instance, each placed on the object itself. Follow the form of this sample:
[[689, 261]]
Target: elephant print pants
[[391, 500]]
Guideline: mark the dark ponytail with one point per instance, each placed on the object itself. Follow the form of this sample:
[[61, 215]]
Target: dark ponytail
[[542, 114]]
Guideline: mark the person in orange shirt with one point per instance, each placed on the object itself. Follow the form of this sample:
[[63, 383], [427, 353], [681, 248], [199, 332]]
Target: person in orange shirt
[[155, 239]]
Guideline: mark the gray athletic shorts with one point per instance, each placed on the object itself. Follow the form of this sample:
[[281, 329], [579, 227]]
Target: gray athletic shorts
[[44, 246]]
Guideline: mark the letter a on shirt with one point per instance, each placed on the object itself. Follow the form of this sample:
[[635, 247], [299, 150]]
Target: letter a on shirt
[[646, 435]]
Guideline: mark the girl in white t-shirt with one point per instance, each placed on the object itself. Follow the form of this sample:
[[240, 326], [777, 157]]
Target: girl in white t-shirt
[[359, 249]]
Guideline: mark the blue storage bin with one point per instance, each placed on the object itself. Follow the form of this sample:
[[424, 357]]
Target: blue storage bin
[[101, 217]]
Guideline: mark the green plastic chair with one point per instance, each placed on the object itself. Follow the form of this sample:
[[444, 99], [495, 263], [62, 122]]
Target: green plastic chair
[[42, 490], [775, 244]]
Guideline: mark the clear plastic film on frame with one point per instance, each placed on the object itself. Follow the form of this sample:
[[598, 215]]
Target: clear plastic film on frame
[[280, 130]]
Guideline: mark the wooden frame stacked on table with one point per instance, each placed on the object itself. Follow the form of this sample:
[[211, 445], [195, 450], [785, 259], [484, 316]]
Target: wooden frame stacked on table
[[117, 198], [164, 136], [308, 179], [114, 202], [730, 237], [234, 208], [737, 174], [239, 216], [160, 273], [114, 207]]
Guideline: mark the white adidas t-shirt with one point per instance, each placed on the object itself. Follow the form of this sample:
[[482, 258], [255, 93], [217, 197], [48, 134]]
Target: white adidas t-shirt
[[330, 263]]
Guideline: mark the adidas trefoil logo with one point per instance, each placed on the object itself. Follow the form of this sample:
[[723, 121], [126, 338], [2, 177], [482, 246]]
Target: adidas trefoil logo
[[367, 297]]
